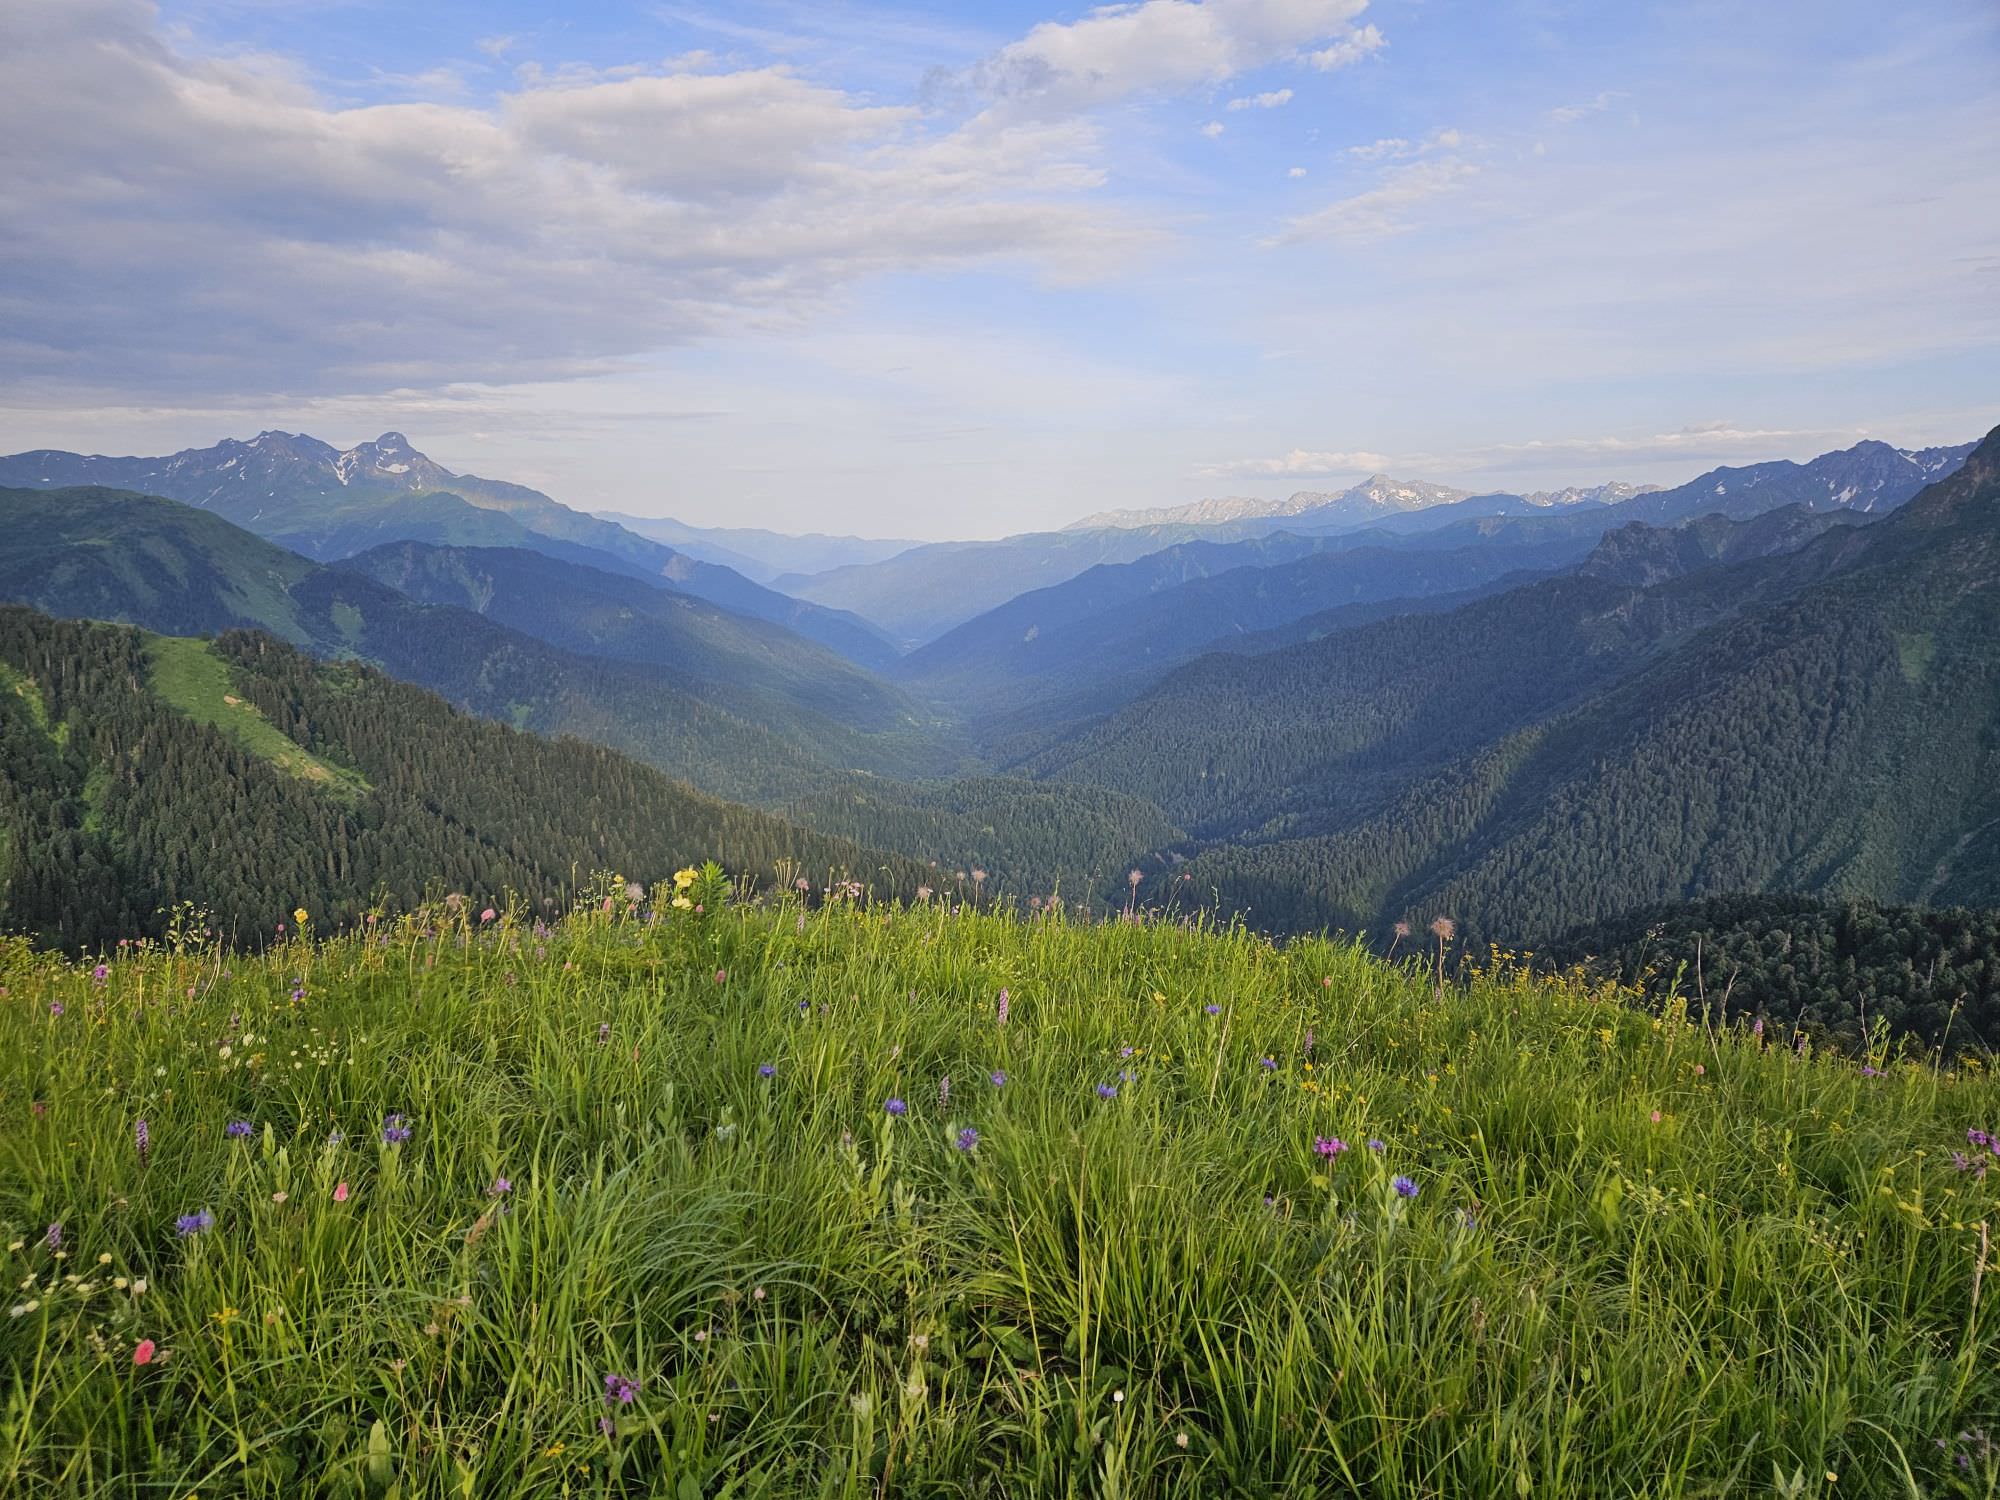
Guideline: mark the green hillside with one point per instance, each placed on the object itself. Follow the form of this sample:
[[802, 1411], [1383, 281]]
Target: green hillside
[[248, 779], [785, 1201]]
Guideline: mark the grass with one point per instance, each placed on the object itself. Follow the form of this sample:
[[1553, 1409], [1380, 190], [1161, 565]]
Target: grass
[[1644, 1257], [189, 675]]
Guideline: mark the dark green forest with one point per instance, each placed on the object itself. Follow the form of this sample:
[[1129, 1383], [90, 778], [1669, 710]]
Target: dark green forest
[[1839, 969], [116, 805]]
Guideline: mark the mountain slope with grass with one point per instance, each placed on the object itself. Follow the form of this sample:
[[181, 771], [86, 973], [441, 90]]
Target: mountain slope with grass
[[841, 1200]]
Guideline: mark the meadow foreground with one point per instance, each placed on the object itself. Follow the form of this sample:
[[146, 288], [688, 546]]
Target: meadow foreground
[[857, 1200]]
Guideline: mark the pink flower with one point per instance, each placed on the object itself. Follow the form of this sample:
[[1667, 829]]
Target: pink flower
[[1656, 1117], [721, 976], [142, 1352], [487, 915], [340, 1193]]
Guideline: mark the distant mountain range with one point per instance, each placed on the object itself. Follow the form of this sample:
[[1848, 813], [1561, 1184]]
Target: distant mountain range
[[921, 594], [328, 503], [757, 554]]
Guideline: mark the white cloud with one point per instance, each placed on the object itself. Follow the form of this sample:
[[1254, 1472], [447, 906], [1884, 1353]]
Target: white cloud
[[1212, 129], [1299, 462], [1396, 148], [1275, 99], [1569, 114], [1697, 438], [1119, 50], [1349, 49], [1296, 172], [1382, 210], [215, 223]]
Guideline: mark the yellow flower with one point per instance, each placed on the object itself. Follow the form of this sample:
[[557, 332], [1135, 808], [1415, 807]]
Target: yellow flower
[[301, 916], [685, 878], [227, 1315], [682, 902], [555, 1450]]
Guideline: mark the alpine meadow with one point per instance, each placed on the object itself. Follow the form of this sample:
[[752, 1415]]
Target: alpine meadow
[[1174, 748]]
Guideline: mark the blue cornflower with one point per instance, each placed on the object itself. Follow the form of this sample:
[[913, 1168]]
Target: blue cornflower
[[997, 1078], [1213, 1010], [236, 1130], [394, 1131], [1269, 1064], [1404, 1187], [967, 1139], [195, 1223], [897, 1108], [1376, 1146], [1107, 1091], [767, 1070]]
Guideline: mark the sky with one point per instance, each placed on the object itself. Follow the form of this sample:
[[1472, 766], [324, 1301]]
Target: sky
[[966, 270]]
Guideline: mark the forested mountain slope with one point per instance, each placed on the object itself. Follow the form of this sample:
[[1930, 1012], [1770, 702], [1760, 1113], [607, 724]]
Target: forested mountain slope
[[246, 777]]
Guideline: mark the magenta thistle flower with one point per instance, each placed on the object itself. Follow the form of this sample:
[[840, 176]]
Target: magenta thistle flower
[[1329, 1146], [101, 973]]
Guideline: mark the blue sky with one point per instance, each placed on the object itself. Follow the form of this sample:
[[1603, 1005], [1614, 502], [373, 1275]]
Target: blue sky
[[954, 271]]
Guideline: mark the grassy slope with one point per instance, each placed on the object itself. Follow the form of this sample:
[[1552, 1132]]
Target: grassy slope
[[190, 676], [1643, 1259]]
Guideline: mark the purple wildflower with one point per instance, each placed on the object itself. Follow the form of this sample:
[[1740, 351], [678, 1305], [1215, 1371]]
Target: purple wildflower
[[1872, 1072], [188, 1225], [1376, 1146], [997, 1078], [53, 1239], [142, 1137], [1124, 1051], [1003, 1007], [944, 1093], [1213, 1010], [897, 1108], [1978, 1138], [1329, 1146], [767, 1070], [500, 1189], [101, 973], [1268, 1064], [55, 1007], [236, 1130], [967, 1139], [394, 1131], [1107, 1091], [619, 1391], [1404, 1187]]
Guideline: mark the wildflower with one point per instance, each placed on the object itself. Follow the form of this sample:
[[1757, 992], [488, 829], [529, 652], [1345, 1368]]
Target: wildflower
[[53, 1239], [996, 1078], [1978, 1138], [101, 973], [340, 1192], [142, 1137], [1213, 1010], [142, 1352], [55, 1007], [1329, 1146], [603, 1032], [967, 1139], [488, 915], [1404, 1187], [944, 1093], [501, 1188], [1268, 1064], [301, 917], [237, 1130], [1444, 929], [1124, 1051], [618, 1391], [279, 1197], [767, 1070], [194, 1223], [897, 1108], [394, 1131], [721, 976], [1003, 1007], [1758, 1028], [1107, 1091], [1117, 1398], [924, 893], [1180, 1440], [1656, 1117]]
